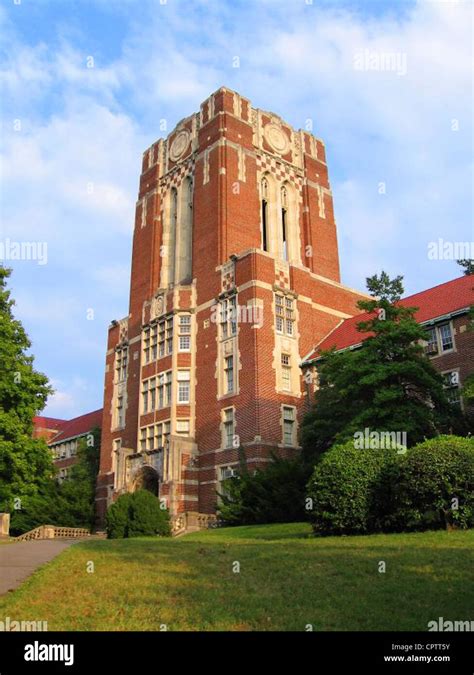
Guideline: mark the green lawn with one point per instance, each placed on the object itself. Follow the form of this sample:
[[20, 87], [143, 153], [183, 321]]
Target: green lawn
[[287, 579]]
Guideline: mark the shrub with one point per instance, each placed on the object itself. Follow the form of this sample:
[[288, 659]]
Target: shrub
[[135, 515], [146, 517], [272, 495], [430, 477], [116, 519], [342, 488]]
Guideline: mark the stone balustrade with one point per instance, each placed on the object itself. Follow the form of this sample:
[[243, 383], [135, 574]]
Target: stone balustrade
[[54, 532]]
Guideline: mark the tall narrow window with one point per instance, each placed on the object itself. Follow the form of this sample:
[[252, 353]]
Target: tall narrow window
[[185, 332], [284, 208], [161, 338], [153, 393], [229, 374], [228, 317], [183, 386], [229, 426], [446, 337], [284, 315], [288, 425], [166, 433], [265, 214], [121, 356], [145, 397], [146, 345], [170, 252], [150, 431], [153, 341], [286, 372], [164, 390], [120, 412], [184, 237], [169, 335]]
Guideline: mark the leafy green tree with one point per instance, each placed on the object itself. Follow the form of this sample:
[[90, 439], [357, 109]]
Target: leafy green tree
[[387, 384], [78, 489], [26, 466]]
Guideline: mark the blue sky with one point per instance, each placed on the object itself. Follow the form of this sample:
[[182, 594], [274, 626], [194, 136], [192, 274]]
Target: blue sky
[[399, 142]]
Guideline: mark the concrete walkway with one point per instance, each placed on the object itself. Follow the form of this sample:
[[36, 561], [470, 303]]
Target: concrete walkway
[[18, 561]]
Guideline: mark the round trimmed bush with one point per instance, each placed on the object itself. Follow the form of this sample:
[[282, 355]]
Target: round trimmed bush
[[137, 514], [342, 488], [435, 486]]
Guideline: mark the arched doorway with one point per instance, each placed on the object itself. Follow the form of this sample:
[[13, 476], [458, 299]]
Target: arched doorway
[[146, 479]]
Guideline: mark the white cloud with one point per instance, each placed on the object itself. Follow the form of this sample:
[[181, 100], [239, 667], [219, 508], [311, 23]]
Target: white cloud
[[70, 175]]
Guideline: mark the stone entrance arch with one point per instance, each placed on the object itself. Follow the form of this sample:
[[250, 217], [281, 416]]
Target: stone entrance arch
[[146, 478]]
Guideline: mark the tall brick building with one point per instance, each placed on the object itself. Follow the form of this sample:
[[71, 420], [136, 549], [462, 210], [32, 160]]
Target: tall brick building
[[235, 277]]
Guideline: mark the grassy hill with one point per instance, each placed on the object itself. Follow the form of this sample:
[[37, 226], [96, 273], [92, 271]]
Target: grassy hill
[[287, 581]]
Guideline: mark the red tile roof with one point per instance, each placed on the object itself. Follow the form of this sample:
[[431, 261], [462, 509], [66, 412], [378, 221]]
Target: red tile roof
[[79, 426], [41, 422], [433, 303]]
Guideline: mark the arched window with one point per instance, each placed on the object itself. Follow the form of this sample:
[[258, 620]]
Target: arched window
[[184, 243], [284, 221], [264, 192], [170, 251]]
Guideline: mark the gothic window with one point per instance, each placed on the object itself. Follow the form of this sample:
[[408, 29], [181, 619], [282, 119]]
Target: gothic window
[[184, 242], [265, 214], [284, 221], [173, 228]]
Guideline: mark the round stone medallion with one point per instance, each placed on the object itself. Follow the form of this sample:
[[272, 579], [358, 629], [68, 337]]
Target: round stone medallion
[[276, 139], [179, 145]]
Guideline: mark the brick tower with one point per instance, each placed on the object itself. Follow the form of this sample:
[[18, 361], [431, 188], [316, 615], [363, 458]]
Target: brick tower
[[235, 277]]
